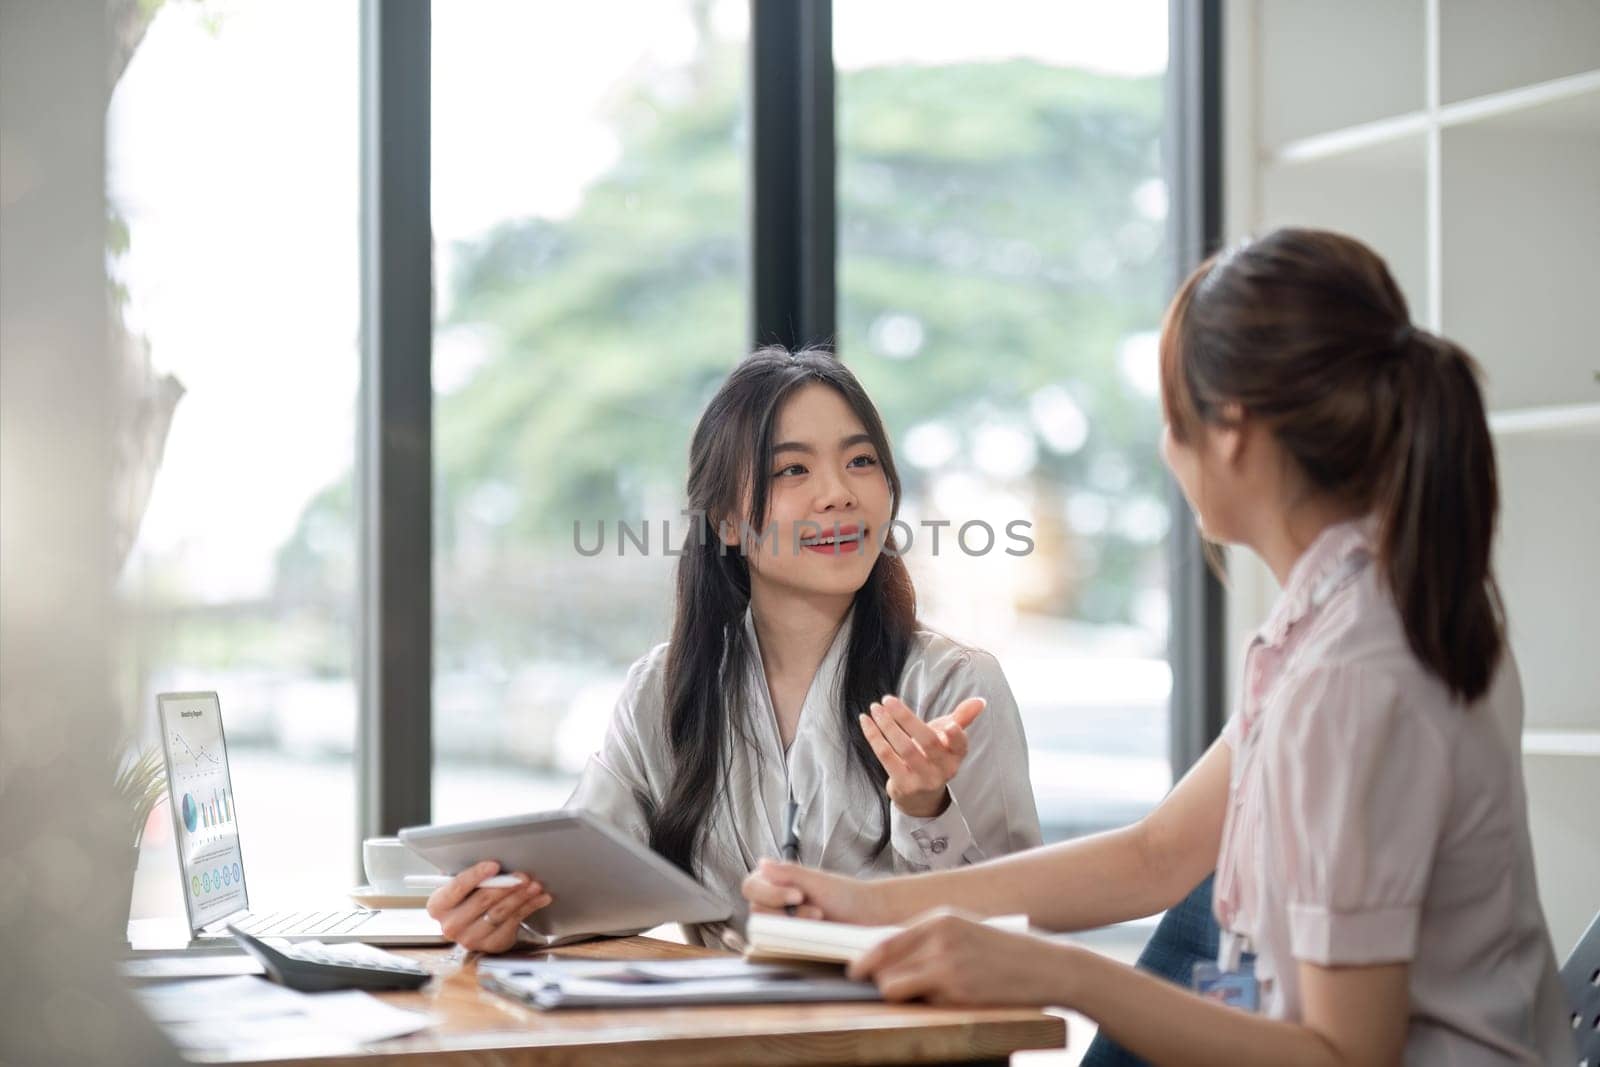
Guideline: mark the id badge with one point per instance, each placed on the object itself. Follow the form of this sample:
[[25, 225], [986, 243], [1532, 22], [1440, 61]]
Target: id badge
[[1236, 989], [1231, 979]]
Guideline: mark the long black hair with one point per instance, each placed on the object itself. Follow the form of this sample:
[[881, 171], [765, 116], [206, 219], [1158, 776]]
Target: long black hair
[[709, 653]]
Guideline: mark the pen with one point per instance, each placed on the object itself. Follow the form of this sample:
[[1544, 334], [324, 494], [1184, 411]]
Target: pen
[[791, 840]]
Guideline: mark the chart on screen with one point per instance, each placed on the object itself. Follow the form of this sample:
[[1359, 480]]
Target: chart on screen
[[202, 795]]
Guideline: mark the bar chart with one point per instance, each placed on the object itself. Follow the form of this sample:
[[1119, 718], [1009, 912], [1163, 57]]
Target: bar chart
[[200, 814], [203, 803]]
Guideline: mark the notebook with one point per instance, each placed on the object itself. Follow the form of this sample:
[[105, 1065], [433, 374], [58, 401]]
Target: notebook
[[782, 937]]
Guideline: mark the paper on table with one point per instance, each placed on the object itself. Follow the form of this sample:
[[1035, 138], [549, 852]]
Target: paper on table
[[689, 970], [240, 997], [701, 970], [630, 983], [170, 934], [362, 1017], [155, 968], [250, 1013], [519, 965]]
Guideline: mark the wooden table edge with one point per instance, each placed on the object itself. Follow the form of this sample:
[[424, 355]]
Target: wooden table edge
[[797, 1034], [944, 1041]]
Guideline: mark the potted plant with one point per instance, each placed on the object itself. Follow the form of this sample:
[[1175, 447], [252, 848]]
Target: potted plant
[[141, 784]]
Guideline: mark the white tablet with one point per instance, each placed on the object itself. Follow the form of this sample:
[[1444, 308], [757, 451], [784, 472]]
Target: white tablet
[[603, 881]]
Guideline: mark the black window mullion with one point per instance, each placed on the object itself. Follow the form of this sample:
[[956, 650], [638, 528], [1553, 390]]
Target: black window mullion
[[1194, 167], [792, 285], [395, 443]]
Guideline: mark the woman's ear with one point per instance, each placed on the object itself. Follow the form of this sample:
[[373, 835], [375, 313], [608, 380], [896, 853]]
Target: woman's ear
[[728, 531], [1226, 437]]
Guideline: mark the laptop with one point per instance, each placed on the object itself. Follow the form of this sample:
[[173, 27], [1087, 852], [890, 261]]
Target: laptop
[[205, 824]]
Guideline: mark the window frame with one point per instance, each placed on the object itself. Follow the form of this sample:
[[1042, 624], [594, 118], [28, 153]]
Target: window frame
[[394, 448], [792, 287], [1196, 631]]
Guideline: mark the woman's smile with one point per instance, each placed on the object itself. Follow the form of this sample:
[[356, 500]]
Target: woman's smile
[[838, 540]]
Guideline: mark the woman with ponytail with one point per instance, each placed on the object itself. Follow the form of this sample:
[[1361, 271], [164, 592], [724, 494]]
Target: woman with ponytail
[[796, 672], [1364, 808]]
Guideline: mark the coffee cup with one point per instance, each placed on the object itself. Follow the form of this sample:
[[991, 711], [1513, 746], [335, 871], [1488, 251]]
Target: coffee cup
[[387, 861]]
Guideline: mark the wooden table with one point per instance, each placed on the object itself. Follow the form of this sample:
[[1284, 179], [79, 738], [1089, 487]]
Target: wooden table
[[483, 1029]]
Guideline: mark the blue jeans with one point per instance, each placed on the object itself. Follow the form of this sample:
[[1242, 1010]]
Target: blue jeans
[[1186, 935]]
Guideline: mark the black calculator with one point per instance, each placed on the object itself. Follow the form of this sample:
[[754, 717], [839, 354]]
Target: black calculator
[[312, 967]]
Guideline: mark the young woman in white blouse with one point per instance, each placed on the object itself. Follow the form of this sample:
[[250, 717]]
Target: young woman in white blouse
[[796, 668], [1364, 809]]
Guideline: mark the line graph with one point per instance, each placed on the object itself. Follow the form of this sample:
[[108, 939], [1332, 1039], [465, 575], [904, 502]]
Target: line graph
[[196, 757]]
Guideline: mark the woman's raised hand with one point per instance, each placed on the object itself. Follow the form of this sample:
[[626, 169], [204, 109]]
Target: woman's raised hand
[[921, 757], [485, 920]]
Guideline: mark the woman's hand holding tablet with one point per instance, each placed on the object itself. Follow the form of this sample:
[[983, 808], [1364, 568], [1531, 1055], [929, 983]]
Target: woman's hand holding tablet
[[485, 920], [594, 881]]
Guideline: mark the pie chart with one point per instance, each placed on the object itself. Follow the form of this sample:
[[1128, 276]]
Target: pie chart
[[191, 814]]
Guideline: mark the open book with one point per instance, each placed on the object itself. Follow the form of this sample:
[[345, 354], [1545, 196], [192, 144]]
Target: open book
[[782, 937]]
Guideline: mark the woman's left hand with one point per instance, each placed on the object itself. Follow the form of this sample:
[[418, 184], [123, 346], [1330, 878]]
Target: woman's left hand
[[921, 757], [949, 958]]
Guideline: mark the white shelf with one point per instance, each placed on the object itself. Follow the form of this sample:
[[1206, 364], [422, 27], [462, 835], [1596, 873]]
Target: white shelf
[[1505, 104], [1568, 418], [1520, 218], [1351, 139], [1529, 98], [1561, 743], [1489, 45], [1545, 559], [1329, 66]]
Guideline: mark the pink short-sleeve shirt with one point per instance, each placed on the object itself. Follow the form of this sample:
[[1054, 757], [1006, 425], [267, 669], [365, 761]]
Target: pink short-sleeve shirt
[[1374, 819]]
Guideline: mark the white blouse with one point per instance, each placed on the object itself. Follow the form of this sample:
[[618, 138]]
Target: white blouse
[[991, 810]]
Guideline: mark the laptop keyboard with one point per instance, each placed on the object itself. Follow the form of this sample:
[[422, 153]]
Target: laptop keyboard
[[281, 923]]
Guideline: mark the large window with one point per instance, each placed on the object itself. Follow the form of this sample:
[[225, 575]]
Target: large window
[[589, 219], [1001, 265], [1002, 272], [1002, 268], [232, 185]]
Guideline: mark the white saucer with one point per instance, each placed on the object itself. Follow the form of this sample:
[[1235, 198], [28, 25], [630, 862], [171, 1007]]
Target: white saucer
[[369, 897]]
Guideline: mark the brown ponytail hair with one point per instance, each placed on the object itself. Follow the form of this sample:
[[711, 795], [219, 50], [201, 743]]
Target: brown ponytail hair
[[1307, 331]]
